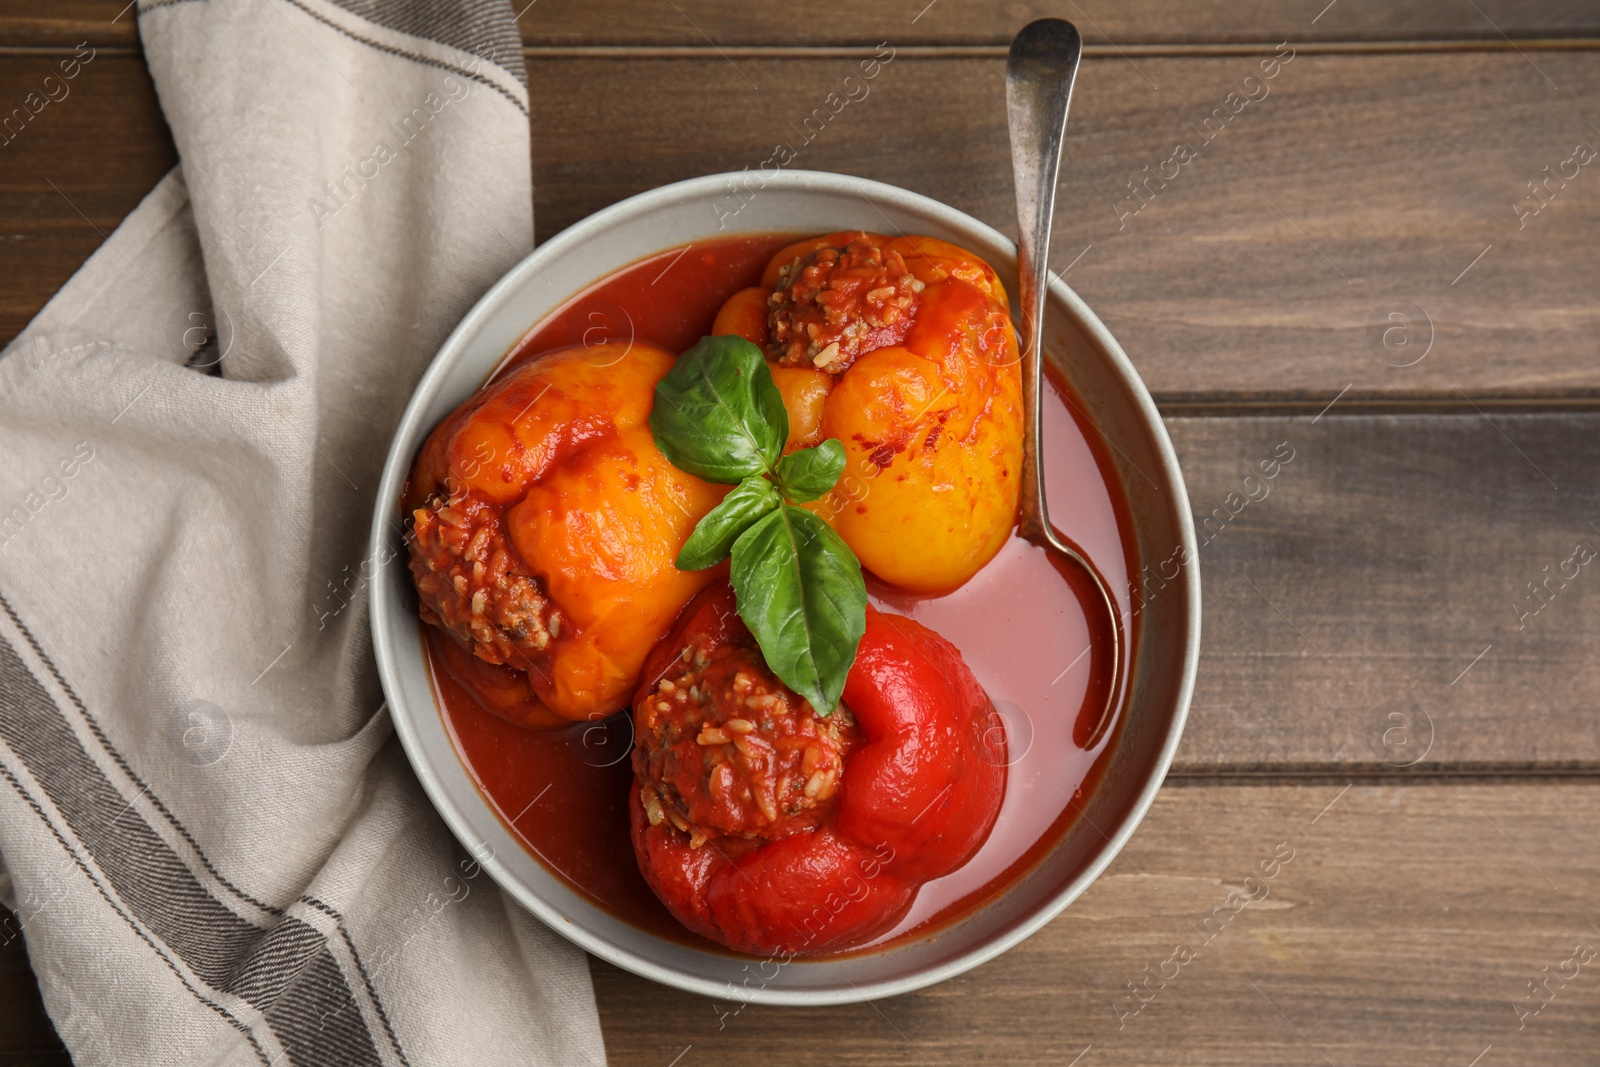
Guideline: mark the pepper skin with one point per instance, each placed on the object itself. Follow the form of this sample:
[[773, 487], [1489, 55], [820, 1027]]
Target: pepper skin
[[903, 350], [772, 831], [544, 530]]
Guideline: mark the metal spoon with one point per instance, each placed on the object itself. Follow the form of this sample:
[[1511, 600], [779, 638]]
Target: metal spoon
[[1040, 70]]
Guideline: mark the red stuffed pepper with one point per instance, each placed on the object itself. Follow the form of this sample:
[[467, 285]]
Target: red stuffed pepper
[[770, 829]]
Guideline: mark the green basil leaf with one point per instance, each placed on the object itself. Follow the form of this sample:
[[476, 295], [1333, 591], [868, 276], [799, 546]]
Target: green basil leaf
[[800, 591], [810, 472], [718, 414], [713, 538]]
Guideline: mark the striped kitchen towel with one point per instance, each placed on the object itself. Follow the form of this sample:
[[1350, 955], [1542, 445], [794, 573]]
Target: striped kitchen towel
[[215, 850]]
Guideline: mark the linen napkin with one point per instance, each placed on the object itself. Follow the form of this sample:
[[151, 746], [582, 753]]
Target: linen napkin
[[217, 853]]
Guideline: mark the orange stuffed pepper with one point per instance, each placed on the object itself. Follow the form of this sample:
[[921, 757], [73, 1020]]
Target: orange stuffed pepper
[[544, 528], [902, 348]]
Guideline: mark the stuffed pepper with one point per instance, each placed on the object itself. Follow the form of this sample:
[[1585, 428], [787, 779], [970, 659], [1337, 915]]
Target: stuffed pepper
[[770, 828]]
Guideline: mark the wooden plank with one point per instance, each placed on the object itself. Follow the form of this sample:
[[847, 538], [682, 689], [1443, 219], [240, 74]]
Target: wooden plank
[[26, 1036], [72, 172], [1231, 284], [26, 23], [1372, 608], [906, 22], [1405, 929], [1266, 269]]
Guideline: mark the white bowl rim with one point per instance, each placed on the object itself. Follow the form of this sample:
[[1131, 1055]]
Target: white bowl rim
[[397, 466]]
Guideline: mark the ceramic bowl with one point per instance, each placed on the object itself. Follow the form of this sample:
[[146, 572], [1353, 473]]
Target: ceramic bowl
[[1166, 629]]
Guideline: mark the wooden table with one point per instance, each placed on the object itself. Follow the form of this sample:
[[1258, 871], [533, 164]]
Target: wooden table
[[1382, 690]]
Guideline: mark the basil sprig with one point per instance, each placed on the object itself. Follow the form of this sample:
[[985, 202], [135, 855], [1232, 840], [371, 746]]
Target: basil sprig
[[719, 415]]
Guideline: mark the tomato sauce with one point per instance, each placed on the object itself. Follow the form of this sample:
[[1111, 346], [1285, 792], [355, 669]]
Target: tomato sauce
[[1021, 625]]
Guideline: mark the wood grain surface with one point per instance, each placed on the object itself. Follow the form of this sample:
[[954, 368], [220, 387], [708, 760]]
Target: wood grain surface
[[1106, 23], [27, 23], [71, 175], [1398, 678], [26, 1036], [1373, 608]]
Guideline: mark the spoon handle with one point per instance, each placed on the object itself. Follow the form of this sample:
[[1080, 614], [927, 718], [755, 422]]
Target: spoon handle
[[1040, 71]]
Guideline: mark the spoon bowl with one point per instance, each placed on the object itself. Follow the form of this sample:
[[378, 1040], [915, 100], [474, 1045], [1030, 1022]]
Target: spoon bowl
[[1040, 71]]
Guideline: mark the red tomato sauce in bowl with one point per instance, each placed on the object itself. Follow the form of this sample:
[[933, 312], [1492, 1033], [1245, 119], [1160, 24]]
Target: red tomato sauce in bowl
[[1020, 623]]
